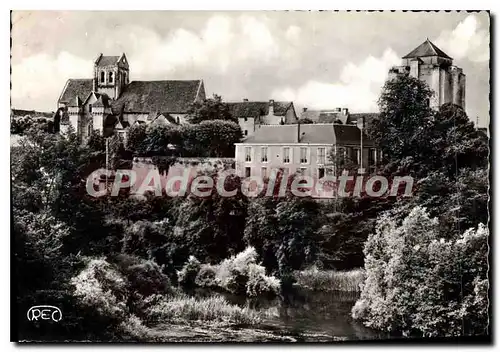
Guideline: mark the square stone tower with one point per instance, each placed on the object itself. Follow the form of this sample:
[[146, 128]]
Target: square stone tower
[[111, 75], [430, 64]]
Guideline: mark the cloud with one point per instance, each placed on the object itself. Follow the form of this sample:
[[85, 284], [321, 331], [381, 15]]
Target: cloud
[[357, 89], [293, 33], [224, 44], [38, 80], [467, 40]]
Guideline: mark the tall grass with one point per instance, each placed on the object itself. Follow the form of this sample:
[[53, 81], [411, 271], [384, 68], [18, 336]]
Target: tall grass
[[330, 280], [184, 308]]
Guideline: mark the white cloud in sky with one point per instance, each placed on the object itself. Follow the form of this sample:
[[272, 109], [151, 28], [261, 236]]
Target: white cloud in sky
[[467, 40], [39, 79], [357, 89], [293, 33]]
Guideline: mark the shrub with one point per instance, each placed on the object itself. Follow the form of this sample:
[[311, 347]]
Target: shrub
[[206, 277], [419, 284], [239, 274], [102, 287], [187, 275], [146, 278], [259, 283]]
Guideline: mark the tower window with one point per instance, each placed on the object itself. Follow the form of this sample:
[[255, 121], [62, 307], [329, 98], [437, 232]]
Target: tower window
[[89, 130], [90, 108], [102, 76], [110, 80]]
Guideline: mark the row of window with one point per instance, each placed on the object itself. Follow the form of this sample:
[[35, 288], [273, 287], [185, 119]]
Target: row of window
[[343, 153], [111, 77], [264, 171]]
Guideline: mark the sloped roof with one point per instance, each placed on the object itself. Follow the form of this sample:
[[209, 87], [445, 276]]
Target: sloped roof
[[324, 116], [102, 100], [161, 96], [309, 133], [154, 115], [75, 102], [107, 60], [76, 88], [427, 48], [258, 108], [353, 118], [350, 134]]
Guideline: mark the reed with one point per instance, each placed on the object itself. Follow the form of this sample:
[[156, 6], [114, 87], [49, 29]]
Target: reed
[[330, 280], [184, 308]]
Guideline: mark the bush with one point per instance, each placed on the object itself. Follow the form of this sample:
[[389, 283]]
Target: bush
[[102, 287], [419, 284], [206, 277], [187, 275], [259, 283], [239, 274]]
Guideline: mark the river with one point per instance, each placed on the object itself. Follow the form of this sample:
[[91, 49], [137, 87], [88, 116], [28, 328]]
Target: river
[[303, 316]]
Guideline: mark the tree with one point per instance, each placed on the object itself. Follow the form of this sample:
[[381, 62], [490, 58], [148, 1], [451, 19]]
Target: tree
[[210, 109], [284, 232], [210, 139], [212, 227], [401, 130], [420, 284]]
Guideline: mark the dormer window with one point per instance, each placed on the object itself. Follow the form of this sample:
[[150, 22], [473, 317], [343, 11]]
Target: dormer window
[[102, 76], [110, 80]]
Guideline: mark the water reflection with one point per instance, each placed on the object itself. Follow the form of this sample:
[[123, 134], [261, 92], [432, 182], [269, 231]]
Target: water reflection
[[307, 313]]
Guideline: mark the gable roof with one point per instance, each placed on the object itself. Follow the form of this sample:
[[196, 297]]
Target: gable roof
[[258, 108], [427, 48], [158, 96], [327, 134], [153, 116], [107, 60], [76, 88]]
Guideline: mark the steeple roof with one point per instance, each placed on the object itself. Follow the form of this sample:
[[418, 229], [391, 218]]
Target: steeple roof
[[427, 48]]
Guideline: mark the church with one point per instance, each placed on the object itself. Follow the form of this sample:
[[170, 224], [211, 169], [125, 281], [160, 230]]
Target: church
[[109, 103]]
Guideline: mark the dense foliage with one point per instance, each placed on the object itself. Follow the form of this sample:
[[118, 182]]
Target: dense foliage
[[210, 109], [207, 139], [422, 285]]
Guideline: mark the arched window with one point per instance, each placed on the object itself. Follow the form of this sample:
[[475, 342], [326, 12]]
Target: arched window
[[110, 80], [102, 76]]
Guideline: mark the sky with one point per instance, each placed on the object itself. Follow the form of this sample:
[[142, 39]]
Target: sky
[[320, 60]]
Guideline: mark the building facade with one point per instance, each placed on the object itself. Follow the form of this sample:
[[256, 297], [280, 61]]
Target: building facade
[[109, 103], [430, 64], [303, 148], [252, 114]]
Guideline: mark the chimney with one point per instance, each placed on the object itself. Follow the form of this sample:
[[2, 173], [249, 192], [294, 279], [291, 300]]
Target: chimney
[[271, 107], [93, 85], [298, 131], [338, 109], [304, 109], [345, 111], [245, 99]]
